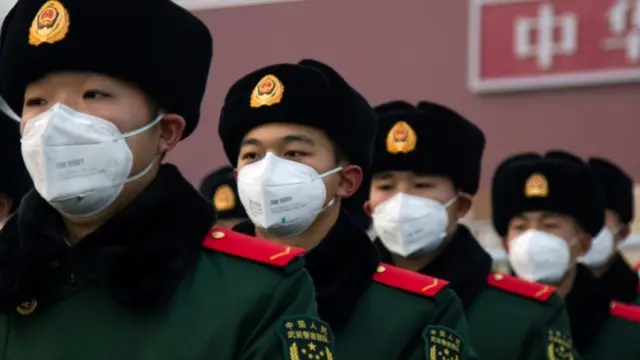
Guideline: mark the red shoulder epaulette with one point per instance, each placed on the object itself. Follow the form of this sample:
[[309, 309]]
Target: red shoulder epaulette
[[519, 286], [408, 280], [625, 311], [249, 247]]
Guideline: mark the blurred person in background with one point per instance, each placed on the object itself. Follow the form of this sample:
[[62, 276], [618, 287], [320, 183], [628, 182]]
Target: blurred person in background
[[603, 258], [113, 255], [14, 178], [221, 189], [426, 170], [547, 208], [302, 139]]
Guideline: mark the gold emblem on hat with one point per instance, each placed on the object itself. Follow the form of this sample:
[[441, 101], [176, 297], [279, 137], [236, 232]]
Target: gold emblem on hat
[[401, 138], [27, 307], [224, 198], [267, 92], [536, 186], [50, 25]]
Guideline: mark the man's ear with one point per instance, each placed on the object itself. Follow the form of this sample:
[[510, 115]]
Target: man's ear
[[367, 208], [622, 234], [6, 203], [350, 180], [235, 174], [585, 242], [171, 129], [463, 205]]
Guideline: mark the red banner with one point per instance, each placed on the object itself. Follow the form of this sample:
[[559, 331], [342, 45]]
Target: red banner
[[535, 44]]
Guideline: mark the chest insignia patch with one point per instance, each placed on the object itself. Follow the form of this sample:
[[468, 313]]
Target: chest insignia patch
[[306, 338], [559, 346], [442, 343]]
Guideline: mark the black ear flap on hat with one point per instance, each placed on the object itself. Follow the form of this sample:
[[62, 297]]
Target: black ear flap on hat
[[617, 186], [396, 105]]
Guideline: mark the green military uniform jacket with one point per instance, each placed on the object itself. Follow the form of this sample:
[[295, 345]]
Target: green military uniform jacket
[[509, 319], [622, 281], [145, 287], [601, 329], [378, 311]]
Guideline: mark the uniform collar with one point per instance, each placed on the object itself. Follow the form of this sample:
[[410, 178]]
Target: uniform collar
[[464, 263], [140, 255], [621, 280], [588, 306], [341, 266]]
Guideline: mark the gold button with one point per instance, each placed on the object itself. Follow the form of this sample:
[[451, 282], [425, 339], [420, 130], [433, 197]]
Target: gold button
[[380, 269], [27, 307], [217, 234], [498, 277]]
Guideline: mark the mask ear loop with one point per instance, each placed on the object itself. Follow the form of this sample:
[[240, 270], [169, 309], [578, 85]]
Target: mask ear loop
[[4, 107], [322, 176], [144, 128]]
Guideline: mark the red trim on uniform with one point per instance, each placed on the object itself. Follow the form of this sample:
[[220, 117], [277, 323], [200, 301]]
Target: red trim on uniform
[[625, 311], [408, 280], [519, 286], [248, 247]]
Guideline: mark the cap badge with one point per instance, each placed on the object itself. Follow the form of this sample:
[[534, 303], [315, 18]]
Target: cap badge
[[50, 25], [224, 198], [267, 92], [401, 138], [536, 186]]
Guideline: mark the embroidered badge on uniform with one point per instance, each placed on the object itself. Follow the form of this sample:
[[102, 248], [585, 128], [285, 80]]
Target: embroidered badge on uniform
[[559, 346], [442, 343], [306, 338]]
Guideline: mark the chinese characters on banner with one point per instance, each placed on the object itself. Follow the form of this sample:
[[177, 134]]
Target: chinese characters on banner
[[535, 44]]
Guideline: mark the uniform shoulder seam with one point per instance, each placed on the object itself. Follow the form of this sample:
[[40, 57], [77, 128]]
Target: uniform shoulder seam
[[251, 248], [514, 285], [409, 281]]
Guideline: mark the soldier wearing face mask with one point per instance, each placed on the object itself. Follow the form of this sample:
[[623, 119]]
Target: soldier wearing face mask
[[426, 168], [547, 208], [301, 137], [603, 258], [113, 255], [14, 178], [221, 189]]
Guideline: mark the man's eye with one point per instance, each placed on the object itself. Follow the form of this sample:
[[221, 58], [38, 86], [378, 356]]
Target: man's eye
[[248, 156], [36, 102], [294, 153], [95, 94]]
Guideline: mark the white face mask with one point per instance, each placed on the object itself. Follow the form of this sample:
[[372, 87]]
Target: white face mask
[[281, 196], [79, 163], [539, 256], [411, 226], [602, 248]]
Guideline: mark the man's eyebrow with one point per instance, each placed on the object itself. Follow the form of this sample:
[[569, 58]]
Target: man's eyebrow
[[298, 138], [250, 141], [382, 176]]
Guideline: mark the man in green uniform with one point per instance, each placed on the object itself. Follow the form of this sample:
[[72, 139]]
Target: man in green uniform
[[301, 137], [426, 168], [221, 188], [112, 256], [603, 258], [547, 208], [14, 178]]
